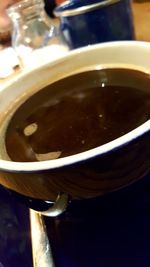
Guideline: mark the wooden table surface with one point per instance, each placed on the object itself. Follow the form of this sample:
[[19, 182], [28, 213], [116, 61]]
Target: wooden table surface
[[141, 14]]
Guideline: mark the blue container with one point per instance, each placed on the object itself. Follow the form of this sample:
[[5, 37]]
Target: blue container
[[83, 23]]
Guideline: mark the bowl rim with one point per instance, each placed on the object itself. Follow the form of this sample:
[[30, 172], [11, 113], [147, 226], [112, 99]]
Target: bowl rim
[[30, 167]]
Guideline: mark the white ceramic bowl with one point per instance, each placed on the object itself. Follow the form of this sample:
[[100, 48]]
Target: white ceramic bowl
[[75, 175]]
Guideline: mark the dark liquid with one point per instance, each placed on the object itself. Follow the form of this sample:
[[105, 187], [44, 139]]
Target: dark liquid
[[78, 113]]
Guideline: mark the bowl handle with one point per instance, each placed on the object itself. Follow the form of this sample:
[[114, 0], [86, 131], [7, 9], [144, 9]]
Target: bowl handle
[[58, 207]]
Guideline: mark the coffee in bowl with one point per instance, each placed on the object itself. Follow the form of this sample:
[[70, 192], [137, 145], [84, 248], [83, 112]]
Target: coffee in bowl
[[77, 127], [77, 113]]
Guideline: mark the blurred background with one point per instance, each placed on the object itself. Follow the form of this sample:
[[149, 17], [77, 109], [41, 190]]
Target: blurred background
[[140, 8], [5, 25]]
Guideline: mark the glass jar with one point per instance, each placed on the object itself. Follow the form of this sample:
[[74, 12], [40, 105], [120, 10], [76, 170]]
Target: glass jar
[[34, 38]]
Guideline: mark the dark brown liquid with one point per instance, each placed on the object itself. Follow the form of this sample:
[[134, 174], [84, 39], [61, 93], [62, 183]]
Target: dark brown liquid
[[78, 113]]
